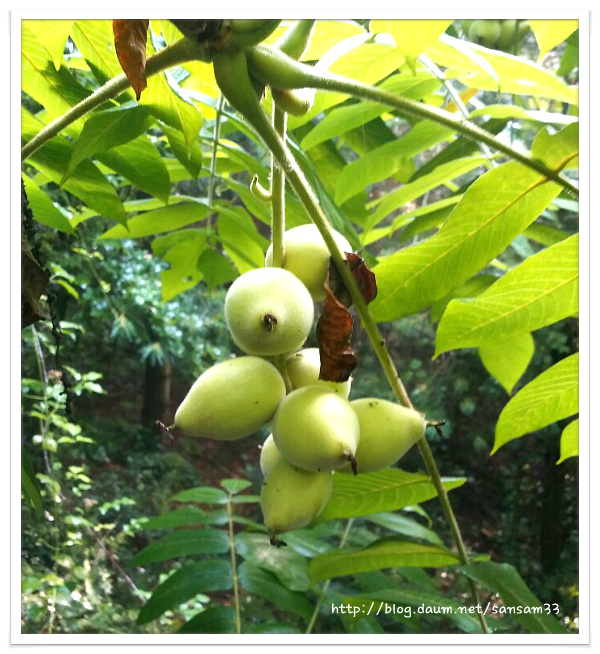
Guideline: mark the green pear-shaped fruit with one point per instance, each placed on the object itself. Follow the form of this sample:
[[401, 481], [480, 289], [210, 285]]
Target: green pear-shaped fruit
[[303, 369], [232, 399], [387, 431], [316, 430], [291, 498], [508, 35], [268, 312], [485, 32], [270, 456], [307, 256]]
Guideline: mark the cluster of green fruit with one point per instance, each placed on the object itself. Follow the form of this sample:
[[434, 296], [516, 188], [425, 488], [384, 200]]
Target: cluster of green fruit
[[501, 34], [316, 430]]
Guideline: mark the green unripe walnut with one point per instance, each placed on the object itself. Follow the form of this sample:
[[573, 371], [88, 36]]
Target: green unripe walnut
[[303, 369], [307, 256], [268, 312], [387, 431], [485, 32], [270, 456], [316, 430], [292, 498], [232, 399]]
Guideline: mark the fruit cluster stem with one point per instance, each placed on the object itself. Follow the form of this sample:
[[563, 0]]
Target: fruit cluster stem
[[306, 195], [234, 574]]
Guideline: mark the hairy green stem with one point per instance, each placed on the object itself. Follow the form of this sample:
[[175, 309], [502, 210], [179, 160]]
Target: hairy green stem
[[213, 163], [184, 50], [326, 585], [273, 67], [234, 574], [278, 220], [306, 196]]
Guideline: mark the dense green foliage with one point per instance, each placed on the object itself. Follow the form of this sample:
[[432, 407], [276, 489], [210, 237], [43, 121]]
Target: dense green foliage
[[145, 212]]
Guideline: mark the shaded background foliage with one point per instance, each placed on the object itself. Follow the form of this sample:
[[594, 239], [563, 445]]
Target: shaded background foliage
[[104, 468]]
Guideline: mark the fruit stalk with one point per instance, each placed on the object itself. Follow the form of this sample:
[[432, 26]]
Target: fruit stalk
[[234, 574], [253, 112]]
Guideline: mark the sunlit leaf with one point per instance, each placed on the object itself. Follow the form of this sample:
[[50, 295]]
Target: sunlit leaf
[[551, 396], [569, 441], [549, 32], [507, 360]]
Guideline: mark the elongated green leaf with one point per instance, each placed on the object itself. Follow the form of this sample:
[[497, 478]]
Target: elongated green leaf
[[159, 221], [240, 240], [545, 234], [87, 183], [401, 524], [550, 32], [376, 492], [341, 120], [53, 35], [540, 291], [508, 360], [384, 161], [185, 542], [517, 600], [95, 41], [328, 33], [187, 516], [512, 111], [287, 565], [167, 102], [513, 74], [412, 37], [213, 620], [551, 396], [439, 208], [201, 495], [56, 90], [418, 601], [183, 272], [190, 158], [141, 164], [569, 441], [215, 268], [260, 582], [385, 553], [558, 151], [183, 585], [108, 129], [494, 209], [43, 208], [412, 190]]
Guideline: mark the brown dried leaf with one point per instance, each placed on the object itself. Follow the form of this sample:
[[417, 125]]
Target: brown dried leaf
[[131, 37], [334, 328]]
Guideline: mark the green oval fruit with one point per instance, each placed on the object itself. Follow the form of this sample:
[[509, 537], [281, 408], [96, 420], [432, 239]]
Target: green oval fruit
[[270, 456], [303, 369], [316, 430], [232, 399], [292, 498], [307, 256], [295, 102], [508, 35], [387, 432], [268, 312], [485, 32]]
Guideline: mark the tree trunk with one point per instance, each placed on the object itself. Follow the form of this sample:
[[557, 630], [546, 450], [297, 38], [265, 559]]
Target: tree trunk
[[157, 393]]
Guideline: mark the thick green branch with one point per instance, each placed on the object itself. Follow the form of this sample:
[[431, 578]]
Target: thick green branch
[[184, 50], [273, 67]]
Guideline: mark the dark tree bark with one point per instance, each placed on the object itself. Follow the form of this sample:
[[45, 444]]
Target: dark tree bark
[[157, 393]]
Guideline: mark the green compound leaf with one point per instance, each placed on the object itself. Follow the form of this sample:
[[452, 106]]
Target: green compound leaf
[[517, 600], [183, 585], [43, 208], [201, 495], [186, 542], [540, 291], [551, 396], [497, 207], [213, 620], [260, 582], [508, 360], [385, 553], [104, 130], [569, 441], [376, 492]]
